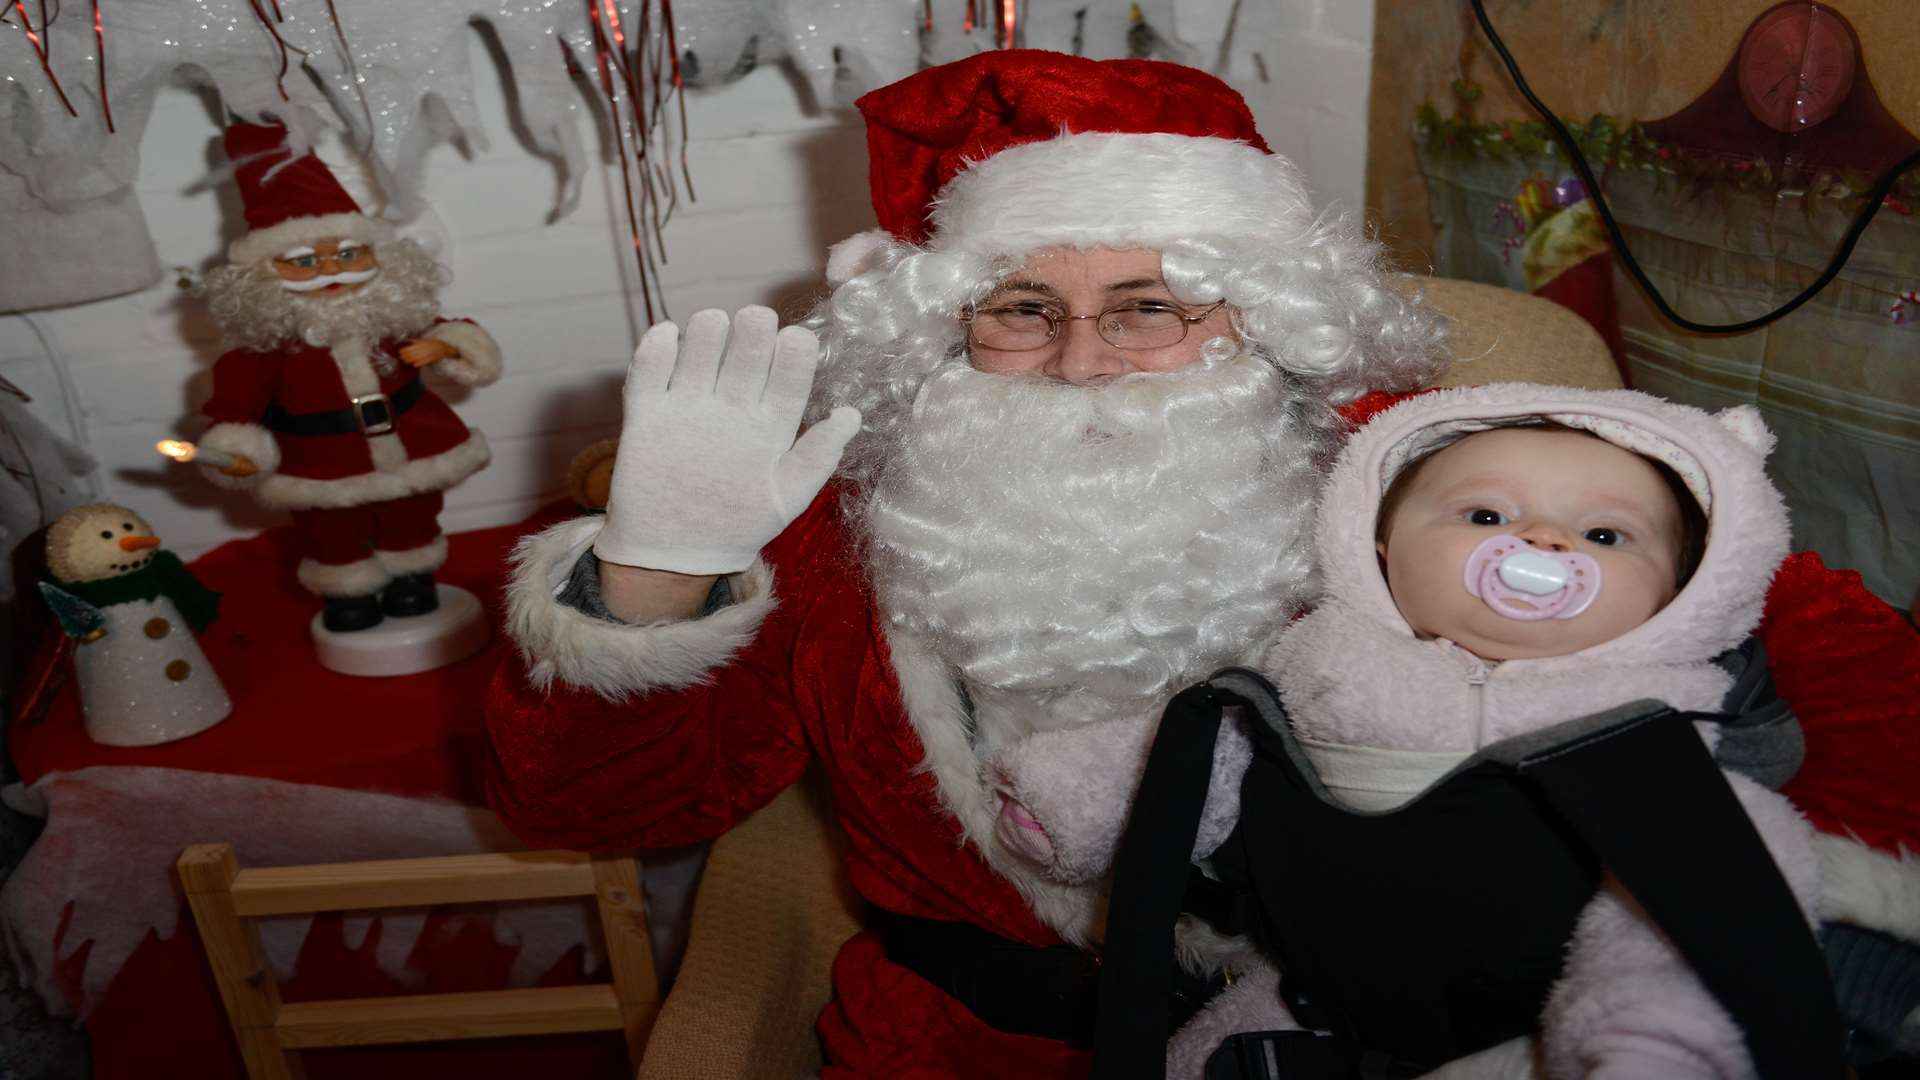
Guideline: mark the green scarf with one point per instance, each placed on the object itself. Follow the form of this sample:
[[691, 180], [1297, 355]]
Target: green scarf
[[164, 576]]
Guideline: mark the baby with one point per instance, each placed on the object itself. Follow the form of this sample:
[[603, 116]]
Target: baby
[[1496, 561]]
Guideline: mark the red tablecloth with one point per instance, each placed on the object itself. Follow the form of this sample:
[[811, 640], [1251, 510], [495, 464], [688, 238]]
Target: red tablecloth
[[295, 721]]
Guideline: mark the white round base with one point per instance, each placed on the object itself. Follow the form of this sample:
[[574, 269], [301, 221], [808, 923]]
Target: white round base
[[407, 646]]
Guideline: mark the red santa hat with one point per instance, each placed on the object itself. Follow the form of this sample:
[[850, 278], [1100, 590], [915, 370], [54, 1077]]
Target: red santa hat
[[289, 202], [1012, 150]]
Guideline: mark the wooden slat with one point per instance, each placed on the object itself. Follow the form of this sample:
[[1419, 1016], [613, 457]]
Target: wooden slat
[[448, 879], [623, 917], [432, 1017], [232, 945]]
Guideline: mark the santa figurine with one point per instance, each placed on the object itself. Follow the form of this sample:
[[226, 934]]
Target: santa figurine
[[134, 609], [321, 402]]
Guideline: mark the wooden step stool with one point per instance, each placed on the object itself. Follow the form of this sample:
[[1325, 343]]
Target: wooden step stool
[[225, 900]]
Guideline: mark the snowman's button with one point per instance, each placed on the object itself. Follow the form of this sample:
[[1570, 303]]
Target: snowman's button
[[158, 628], [178, 670]]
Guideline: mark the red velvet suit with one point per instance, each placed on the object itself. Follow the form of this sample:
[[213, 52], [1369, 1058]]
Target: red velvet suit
[[570, 768], [367, 504], [301, 379]]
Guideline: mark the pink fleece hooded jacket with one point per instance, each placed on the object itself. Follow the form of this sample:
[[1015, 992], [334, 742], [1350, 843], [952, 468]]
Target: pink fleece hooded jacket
[[1383, 713]]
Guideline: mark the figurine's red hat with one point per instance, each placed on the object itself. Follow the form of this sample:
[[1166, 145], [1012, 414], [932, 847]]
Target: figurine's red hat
[[289, 202], [1008, 151]]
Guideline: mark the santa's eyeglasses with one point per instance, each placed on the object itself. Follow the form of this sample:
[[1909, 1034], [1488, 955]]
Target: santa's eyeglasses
[[1134, 324]]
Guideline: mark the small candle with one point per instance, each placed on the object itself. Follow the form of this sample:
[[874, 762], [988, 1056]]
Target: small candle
[[182, 451]]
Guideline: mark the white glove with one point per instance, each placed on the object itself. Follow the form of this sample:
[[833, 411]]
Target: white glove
[[708, 469]]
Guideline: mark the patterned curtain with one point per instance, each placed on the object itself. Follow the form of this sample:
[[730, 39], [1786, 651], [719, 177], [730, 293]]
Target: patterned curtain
[[1838, 380]]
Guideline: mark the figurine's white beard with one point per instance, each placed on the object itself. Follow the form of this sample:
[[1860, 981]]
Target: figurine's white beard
[[254, 307], [1076, 552]]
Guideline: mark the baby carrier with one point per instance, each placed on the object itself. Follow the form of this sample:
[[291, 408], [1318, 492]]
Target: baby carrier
[[1411, 937]]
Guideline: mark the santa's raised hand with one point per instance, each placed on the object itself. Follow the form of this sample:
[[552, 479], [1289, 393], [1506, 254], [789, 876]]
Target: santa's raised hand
[[708, 469]]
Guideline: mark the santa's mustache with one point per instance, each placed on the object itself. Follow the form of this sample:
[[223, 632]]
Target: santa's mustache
[[344, 277]]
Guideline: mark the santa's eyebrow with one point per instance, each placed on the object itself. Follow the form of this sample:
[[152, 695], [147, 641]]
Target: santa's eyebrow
[[1023, 285]]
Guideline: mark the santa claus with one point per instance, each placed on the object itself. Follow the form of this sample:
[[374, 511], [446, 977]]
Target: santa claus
[[322, 403], [1069, 409], [1085, 396]]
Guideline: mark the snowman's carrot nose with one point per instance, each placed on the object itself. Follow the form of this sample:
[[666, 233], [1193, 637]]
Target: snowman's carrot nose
[[136, 543]]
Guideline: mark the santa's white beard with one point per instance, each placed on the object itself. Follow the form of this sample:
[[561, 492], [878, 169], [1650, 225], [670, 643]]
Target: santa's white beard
[[1076, 553]]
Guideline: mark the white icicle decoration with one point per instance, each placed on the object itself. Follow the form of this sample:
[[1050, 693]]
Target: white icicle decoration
[[399, 78]]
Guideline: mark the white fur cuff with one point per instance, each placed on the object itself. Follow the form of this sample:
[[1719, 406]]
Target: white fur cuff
[[1865, 887], [424, 559], [614, 660], [360, 578], [479, 361], [251, 441]]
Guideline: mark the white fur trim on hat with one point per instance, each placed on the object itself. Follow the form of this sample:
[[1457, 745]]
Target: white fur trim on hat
[[251, 441], [1120, 190], [436, 473], [424, 559], [293, 232], [615, 660], [479, 361], [362, 577]]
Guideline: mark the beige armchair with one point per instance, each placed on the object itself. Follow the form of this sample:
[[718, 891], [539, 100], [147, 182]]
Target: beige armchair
[[1499, 335], [773, 908]]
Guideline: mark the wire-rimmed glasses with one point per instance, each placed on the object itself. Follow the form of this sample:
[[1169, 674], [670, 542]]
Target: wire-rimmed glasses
[[1026, 325]]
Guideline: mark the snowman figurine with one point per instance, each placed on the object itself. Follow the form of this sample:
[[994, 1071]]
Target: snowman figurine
[[133, 610]]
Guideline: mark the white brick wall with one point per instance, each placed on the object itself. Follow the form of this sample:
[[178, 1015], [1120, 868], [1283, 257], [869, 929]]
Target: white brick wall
[[776, 188]]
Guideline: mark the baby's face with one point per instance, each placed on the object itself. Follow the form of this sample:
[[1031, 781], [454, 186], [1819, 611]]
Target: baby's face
[[1557, 490]]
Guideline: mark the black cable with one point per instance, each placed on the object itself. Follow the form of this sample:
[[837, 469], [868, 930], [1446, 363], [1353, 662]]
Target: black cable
[[1579, 162]]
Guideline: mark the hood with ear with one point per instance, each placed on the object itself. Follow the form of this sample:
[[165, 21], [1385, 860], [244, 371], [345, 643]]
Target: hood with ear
[[1323, 658]]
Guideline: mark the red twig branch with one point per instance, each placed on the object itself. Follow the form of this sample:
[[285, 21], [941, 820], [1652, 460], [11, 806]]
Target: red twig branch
[[39, 45]]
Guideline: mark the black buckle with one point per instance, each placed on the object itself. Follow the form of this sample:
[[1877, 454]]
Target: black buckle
[[374, 412]]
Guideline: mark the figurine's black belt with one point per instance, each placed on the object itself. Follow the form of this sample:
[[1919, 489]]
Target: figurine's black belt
[[1017, 988], [371, 413]]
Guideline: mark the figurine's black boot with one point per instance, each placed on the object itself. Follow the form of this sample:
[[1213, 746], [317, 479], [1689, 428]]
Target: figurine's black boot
[[410, 594], [345, 614]]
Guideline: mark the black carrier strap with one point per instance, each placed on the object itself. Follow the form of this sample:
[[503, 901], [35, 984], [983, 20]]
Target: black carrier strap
[[1149, 881], [1636, 790], [1745, 948], [1045, 991]]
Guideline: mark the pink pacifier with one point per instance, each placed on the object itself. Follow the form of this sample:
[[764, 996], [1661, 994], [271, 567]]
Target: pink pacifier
[[1522, 582]]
